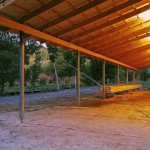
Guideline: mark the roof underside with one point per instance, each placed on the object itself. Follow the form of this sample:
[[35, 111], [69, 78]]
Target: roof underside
[[116, 29]]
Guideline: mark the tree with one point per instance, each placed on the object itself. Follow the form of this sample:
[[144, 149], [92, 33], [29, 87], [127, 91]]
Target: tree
[[96, 69], [53, 56], [33, 62], [9, 62], [145, 74]]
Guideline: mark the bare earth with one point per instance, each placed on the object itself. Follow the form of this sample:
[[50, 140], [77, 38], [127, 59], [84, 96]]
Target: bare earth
[[60, 124]]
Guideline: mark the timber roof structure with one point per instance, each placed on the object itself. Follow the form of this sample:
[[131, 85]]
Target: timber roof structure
[[117, 31]]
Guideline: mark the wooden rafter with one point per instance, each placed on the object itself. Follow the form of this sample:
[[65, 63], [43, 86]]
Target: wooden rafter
[[103, 34], [120, 36], [38, 11], [117, 44], [133, 51], [71, 14], [126, 48], [102, 15]]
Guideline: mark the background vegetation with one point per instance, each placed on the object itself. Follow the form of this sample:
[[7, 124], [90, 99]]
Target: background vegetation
[[47, 69]]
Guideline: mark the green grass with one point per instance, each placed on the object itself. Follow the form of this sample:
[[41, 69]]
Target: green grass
[[145, 84]]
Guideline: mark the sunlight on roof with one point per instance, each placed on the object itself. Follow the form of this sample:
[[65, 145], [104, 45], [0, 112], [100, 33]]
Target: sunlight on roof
[[148, 38], [145, 15]]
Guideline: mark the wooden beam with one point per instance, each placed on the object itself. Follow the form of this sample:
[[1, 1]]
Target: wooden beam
[[71, 14], [125, 36], [141, 61], [133, 51], [125, 48], [145, 66], [78, 80], [142, 66], [97, 17], [127, 40], [84, 42], [39, 11], [136, 57], [41, 35]]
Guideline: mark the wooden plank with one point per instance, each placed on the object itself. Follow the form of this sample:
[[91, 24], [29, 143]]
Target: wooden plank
[[110, 47], [128, 47], [121, 37], [99, 16], [141, 62], [41, 35], [39, 11], [136, 57], [144, 66], [71, 14], [133, 51], [120, 88], [83, 42]]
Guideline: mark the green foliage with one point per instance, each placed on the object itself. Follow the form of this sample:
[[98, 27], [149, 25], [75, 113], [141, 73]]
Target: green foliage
[[145, 74], [9, 59], [33, 69], [96, 69]]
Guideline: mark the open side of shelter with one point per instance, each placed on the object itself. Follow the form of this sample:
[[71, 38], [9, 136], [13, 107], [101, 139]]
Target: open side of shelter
[[110, 30]]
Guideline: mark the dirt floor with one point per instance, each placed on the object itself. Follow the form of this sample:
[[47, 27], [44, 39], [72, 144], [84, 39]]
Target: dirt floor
[[97, 124]]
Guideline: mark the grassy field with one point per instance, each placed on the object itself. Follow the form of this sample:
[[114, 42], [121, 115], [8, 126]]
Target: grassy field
[[145, 84]]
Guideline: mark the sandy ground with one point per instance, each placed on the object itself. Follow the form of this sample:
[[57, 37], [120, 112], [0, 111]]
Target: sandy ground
[[62, 125]]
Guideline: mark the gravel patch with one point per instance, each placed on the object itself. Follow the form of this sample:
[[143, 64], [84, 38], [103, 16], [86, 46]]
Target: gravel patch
[[10, 100]]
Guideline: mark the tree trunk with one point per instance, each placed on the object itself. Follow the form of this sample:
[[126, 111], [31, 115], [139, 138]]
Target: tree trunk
[[57, 82]]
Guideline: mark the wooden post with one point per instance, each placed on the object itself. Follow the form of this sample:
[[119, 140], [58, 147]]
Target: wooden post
[[127, 76], [21, 76], [118, 75], [104, 78], [78, 80]]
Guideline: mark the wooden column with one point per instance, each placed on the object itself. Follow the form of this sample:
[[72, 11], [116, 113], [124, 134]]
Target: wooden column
[[104, 74], [118, 75], [78, 79], [127, 76], [21, 76]]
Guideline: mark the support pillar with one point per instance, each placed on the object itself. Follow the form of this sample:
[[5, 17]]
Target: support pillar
[[104, 74], [127, 76], [78, 79], [21, 76], [118, 74]]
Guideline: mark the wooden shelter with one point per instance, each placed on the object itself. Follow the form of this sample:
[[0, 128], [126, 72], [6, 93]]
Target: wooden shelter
[[116, 31]]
